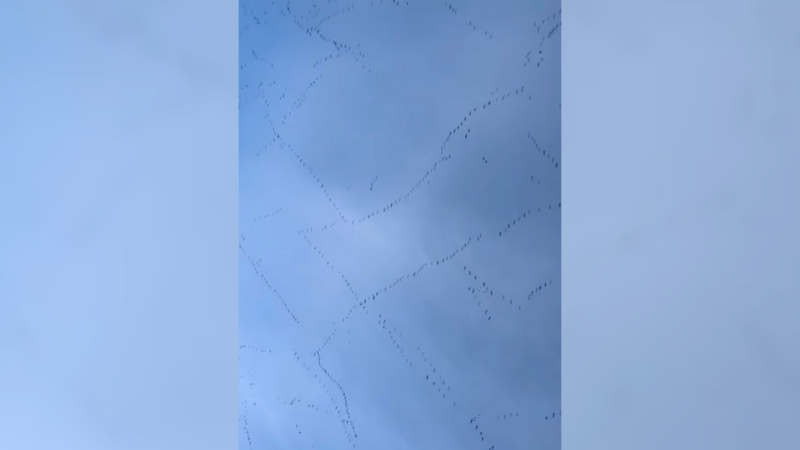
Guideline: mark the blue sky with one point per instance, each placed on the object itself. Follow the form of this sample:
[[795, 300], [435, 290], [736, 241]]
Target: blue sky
[[400, 225], [118, 266]]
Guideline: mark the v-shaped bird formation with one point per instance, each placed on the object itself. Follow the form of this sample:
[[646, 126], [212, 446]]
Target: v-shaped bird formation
[[400, 214]]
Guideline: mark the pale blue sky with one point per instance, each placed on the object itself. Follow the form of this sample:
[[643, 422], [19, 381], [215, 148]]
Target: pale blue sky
[[358, 143], [118, 258], [118, 255]]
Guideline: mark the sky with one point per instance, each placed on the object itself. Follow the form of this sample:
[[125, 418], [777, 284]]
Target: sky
[[400, 215], [119, 263], [116, 259]]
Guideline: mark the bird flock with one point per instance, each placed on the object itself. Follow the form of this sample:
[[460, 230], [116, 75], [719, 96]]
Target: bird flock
[[400, 211]]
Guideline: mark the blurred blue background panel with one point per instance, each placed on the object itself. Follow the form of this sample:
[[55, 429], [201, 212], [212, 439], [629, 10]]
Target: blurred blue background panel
[[681, 252], [400, 189], [118, 257]]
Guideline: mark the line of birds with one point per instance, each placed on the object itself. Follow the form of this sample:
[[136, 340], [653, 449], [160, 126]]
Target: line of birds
[[435, 262], [472, 25], [262, 59], [394, 336], [408, 193], [264, 279], [391, 205], [537, 289], [246, 430], [523, 216], [321, 229], [495, 98], [333, 15], [309, 23], [341, 389], [300, 100], [547, 155], [549, 34], [337, 410], [331, 266], [267, 216], [484, 289], [364, 304]]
